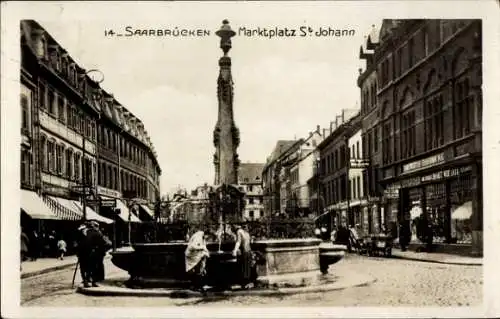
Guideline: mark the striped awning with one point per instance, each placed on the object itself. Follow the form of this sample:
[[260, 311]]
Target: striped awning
[[147, 210], [91, 214], [125, 213], [62, 208], [34, 206]]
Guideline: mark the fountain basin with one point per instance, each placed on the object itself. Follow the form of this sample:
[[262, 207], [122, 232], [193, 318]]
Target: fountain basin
[[164, 265]]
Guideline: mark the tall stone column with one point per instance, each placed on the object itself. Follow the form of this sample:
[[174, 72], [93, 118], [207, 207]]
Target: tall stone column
[[226, 134]]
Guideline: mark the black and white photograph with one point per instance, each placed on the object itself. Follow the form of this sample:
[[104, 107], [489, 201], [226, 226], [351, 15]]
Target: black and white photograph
[[198, 159]]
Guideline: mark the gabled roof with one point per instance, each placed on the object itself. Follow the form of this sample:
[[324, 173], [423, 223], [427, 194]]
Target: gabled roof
[[281, 147], [250, 172]]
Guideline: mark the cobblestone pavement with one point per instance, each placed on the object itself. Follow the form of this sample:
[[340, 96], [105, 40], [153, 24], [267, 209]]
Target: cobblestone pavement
[[399, 283]]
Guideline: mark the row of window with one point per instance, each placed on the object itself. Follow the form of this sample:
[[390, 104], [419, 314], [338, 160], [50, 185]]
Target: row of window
[[334, 161], [335, 190], [369, 97], [108, 177], [356, 186], [26, 167], [66, 68], [65, 162], [60, 108], [421, 44], [355, 151], [404, 145], [113, 141]]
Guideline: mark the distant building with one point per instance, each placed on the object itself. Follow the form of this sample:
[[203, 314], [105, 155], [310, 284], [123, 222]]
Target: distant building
[[334, 169], [270, 177], [301, 167], [250, 182]]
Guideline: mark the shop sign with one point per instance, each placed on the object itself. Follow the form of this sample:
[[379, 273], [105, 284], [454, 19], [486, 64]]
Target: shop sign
[[392, 191], [388, 173], [359, 163], [410, 182], [429, 161], [108, 192], [445, 174]]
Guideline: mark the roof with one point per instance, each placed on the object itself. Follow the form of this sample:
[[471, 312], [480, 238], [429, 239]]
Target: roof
[[250, 172]]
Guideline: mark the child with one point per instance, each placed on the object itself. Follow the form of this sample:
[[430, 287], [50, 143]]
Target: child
[[61, 247]]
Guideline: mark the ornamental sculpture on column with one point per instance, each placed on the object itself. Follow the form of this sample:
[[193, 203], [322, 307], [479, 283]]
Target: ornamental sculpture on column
[[226, 134]]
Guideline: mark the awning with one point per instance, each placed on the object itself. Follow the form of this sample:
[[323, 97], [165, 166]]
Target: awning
[[66, 208], [91, 214], [462, 212], [34, 206], [124, 212], [147, 210]]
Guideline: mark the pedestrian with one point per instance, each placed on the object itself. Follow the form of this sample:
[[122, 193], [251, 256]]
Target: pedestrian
[[196, 256], [404, 234], [97, 245], [61, 247], [34, 247], [24, 245], [243, 251], [83, 254]]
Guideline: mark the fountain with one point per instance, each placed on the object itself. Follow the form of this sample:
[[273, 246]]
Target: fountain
[[163, 264]]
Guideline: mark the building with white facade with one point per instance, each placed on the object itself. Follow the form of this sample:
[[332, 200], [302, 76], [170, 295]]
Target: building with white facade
[[250, 182]]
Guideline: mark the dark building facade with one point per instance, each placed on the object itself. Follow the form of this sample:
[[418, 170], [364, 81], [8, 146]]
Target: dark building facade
[[422, 107], [334, 163], [78, 142]]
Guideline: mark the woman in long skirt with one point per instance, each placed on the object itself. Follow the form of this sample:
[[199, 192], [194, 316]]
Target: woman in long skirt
[[196, 259]]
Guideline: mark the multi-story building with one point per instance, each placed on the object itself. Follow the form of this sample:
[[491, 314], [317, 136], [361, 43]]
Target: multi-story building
[[301, 165], [78, 141], [334, 168], [271, 178], [199, 202], [250, 182], [425, 124]]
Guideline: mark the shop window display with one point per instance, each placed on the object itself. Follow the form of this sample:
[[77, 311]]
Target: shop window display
[[461, 210]]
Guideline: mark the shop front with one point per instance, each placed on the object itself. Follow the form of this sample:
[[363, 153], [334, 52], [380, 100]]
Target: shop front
[[444, 199]]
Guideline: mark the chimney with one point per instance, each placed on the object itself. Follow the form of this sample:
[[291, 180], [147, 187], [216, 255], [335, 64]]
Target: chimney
[[318, 129], [360, 70], [324, 132], [331, 127]]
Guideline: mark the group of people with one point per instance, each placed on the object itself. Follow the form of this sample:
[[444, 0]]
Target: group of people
[[92, 248], [48, 244], [197, 254]]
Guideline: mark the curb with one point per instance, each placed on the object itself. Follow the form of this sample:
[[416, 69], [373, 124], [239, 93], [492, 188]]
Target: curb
[[437, 261], [51, 269], [185, 293]]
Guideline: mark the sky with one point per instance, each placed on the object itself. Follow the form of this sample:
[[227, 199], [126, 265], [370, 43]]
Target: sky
[[283, 87]]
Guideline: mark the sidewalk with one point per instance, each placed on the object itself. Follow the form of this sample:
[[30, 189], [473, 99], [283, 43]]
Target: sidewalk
[[45, 265], [441, 258]]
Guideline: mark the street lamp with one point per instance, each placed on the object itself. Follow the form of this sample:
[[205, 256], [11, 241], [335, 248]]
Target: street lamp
[[96, 95]]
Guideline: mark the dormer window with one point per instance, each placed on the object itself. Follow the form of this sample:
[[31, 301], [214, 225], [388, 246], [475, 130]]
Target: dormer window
[[64, 66], [43, 52], [55, 63]]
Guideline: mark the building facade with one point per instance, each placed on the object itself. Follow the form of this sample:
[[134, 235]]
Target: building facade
[[301, 166], [334, 169], [78, 141], [250, 182], [271, 178], [423, 129]]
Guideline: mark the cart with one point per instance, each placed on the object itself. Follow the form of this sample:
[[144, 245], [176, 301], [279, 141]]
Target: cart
[[379, 245]]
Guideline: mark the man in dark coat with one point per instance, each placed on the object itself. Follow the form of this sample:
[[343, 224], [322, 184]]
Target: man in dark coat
[[91, 251]]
